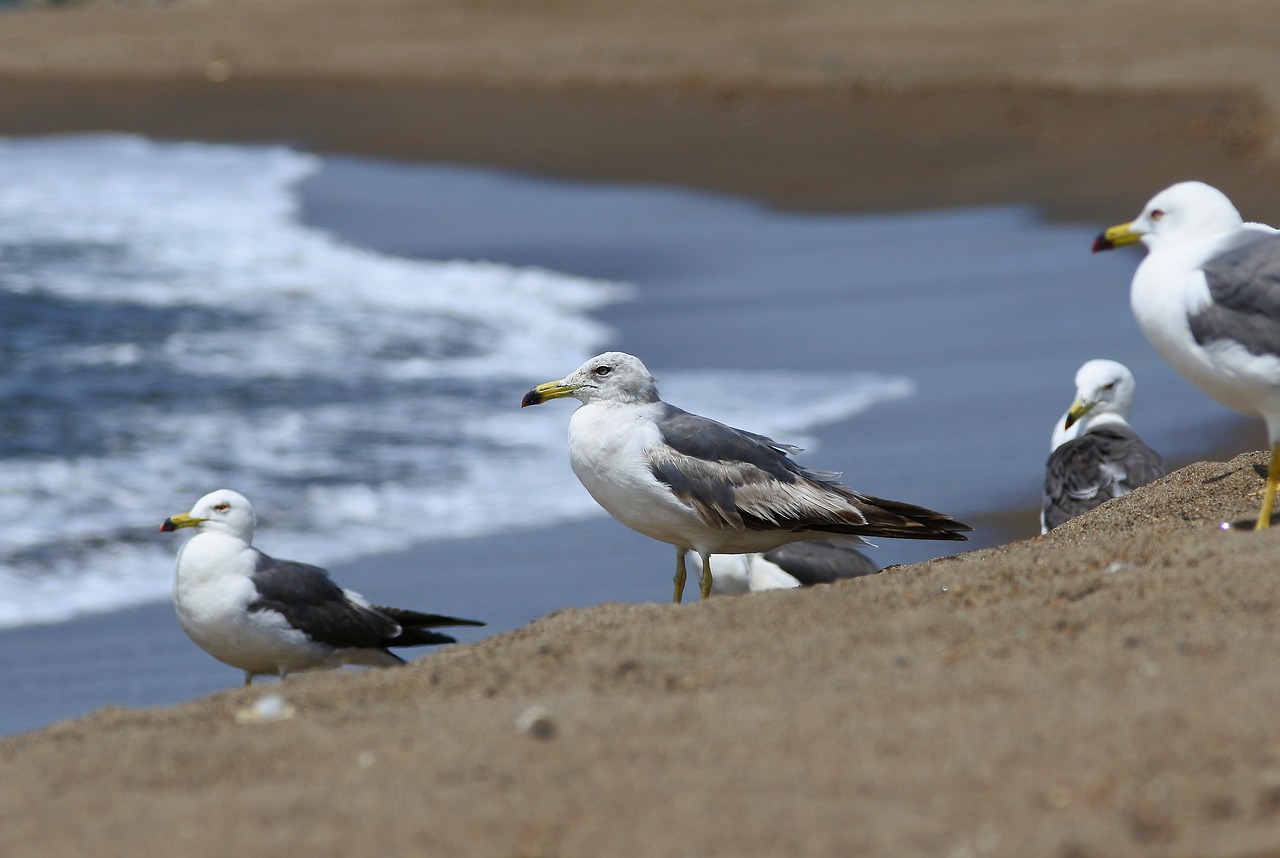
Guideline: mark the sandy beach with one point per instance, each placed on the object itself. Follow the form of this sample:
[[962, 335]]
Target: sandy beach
[[1084, 108], [1101, 691], [1105, 690]]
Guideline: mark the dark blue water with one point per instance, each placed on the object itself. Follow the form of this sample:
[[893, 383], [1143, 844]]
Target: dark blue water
[[170, 326], [347, 340]]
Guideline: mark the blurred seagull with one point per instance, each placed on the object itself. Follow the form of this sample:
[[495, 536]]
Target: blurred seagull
[[1096, 455], [1207, 296], [703, 486], [796, 564], [274, 617]]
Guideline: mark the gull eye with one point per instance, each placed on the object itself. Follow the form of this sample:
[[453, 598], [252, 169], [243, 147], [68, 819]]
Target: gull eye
[[1156, 214], [603, 370], [222, 507], [1109, 386]]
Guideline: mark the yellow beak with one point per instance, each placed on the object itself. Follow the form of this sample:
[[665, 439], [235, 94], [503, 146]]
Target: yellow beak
[[1116, 236], [1078, 409], [544, 392], [180, 520]]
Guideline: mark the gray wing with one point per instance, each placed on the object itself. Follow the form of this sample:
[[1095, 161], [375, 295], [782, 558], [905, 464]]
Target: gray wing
[[1105, 463], [743, 481], [821, 562], [1244, 283], [310, 601]]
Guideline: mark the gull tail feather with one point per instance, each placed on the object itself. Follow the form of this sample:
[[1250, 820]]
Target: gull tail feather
[[415, 627], [416, 620], [419, 637], [901, 520]]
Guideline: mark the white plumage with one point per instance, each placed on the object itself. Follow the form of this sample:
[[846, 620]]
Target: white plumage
[[1095, 454], [275, 617], [702, 486], [1207, 296]]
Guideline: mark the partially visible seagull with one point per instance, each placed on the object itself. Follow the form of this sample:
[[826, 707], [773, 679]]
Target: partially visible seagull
[[1207, 296], [1096, 455], [274, 617], [703, 486], [796, 564]]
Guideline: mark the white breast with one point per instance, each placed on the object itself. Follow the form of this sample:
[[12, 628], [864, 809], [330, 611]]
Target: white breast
[[211, 593], [607, 446], [1164, 297]]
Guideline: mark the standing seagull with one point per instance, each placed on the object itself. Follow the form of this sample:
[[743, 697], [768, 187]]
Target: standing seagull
[[703, 486], [1207, 296], [1096, 454], [269, 616]]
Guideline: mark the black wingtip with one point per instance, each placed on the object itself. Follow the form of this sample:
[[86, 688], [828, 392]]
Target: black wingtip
[[437, 621], [900, 520], [1103, 243], [417, 620], [949, 529], [420, 637], [533, 397]]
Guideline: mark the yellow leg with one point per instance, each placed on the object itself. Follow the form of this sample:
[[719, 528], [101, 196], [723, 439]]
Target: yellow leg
[[704, 582], [681, 574], [1269, 493]]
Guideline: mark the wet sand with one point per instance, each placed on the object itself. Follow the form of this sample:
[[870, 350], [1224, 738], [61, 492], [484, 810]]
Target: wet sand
[[939, 147], [1107, 690], [1083, 107]]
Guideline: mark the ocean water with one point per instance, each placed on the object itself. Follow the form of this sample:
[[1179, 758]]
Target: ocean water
[[987, 311], [169, 325]]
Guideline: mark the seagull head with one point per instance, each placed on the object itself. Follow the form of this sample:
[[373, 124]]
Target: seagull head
[[1187, 211], [1103, 387], [612, 377], [223, 511]]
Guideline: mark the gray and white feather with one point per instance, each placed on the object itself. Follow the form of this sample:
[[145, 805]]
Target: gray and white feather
[[1207, 296], [275, 617], [702, 486], [1096, 454]]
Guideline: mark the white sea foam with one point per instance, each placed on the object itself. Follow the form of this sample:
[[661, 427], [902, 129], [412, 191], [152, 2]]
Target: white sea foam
[[197, 336]]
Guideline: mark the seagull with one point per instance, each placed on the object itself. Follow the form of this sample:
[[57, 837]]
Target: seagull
[[1207, 296], [796, 564], [817, 562], [1096, 455], [703, 486], [274, 617]]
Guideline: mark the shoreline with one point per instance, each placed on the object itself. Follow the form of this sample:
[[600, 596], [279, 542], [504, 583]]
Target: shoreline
[[1105, 690], [397, 576], [929, 148], [612, 565], [379, 574]]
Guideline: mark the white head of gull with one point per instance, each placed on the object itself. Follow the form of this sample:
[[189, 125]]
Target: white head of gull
[[702, 486], [1104, 394], [1207, 296], [1096, 455], [274, 617]]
